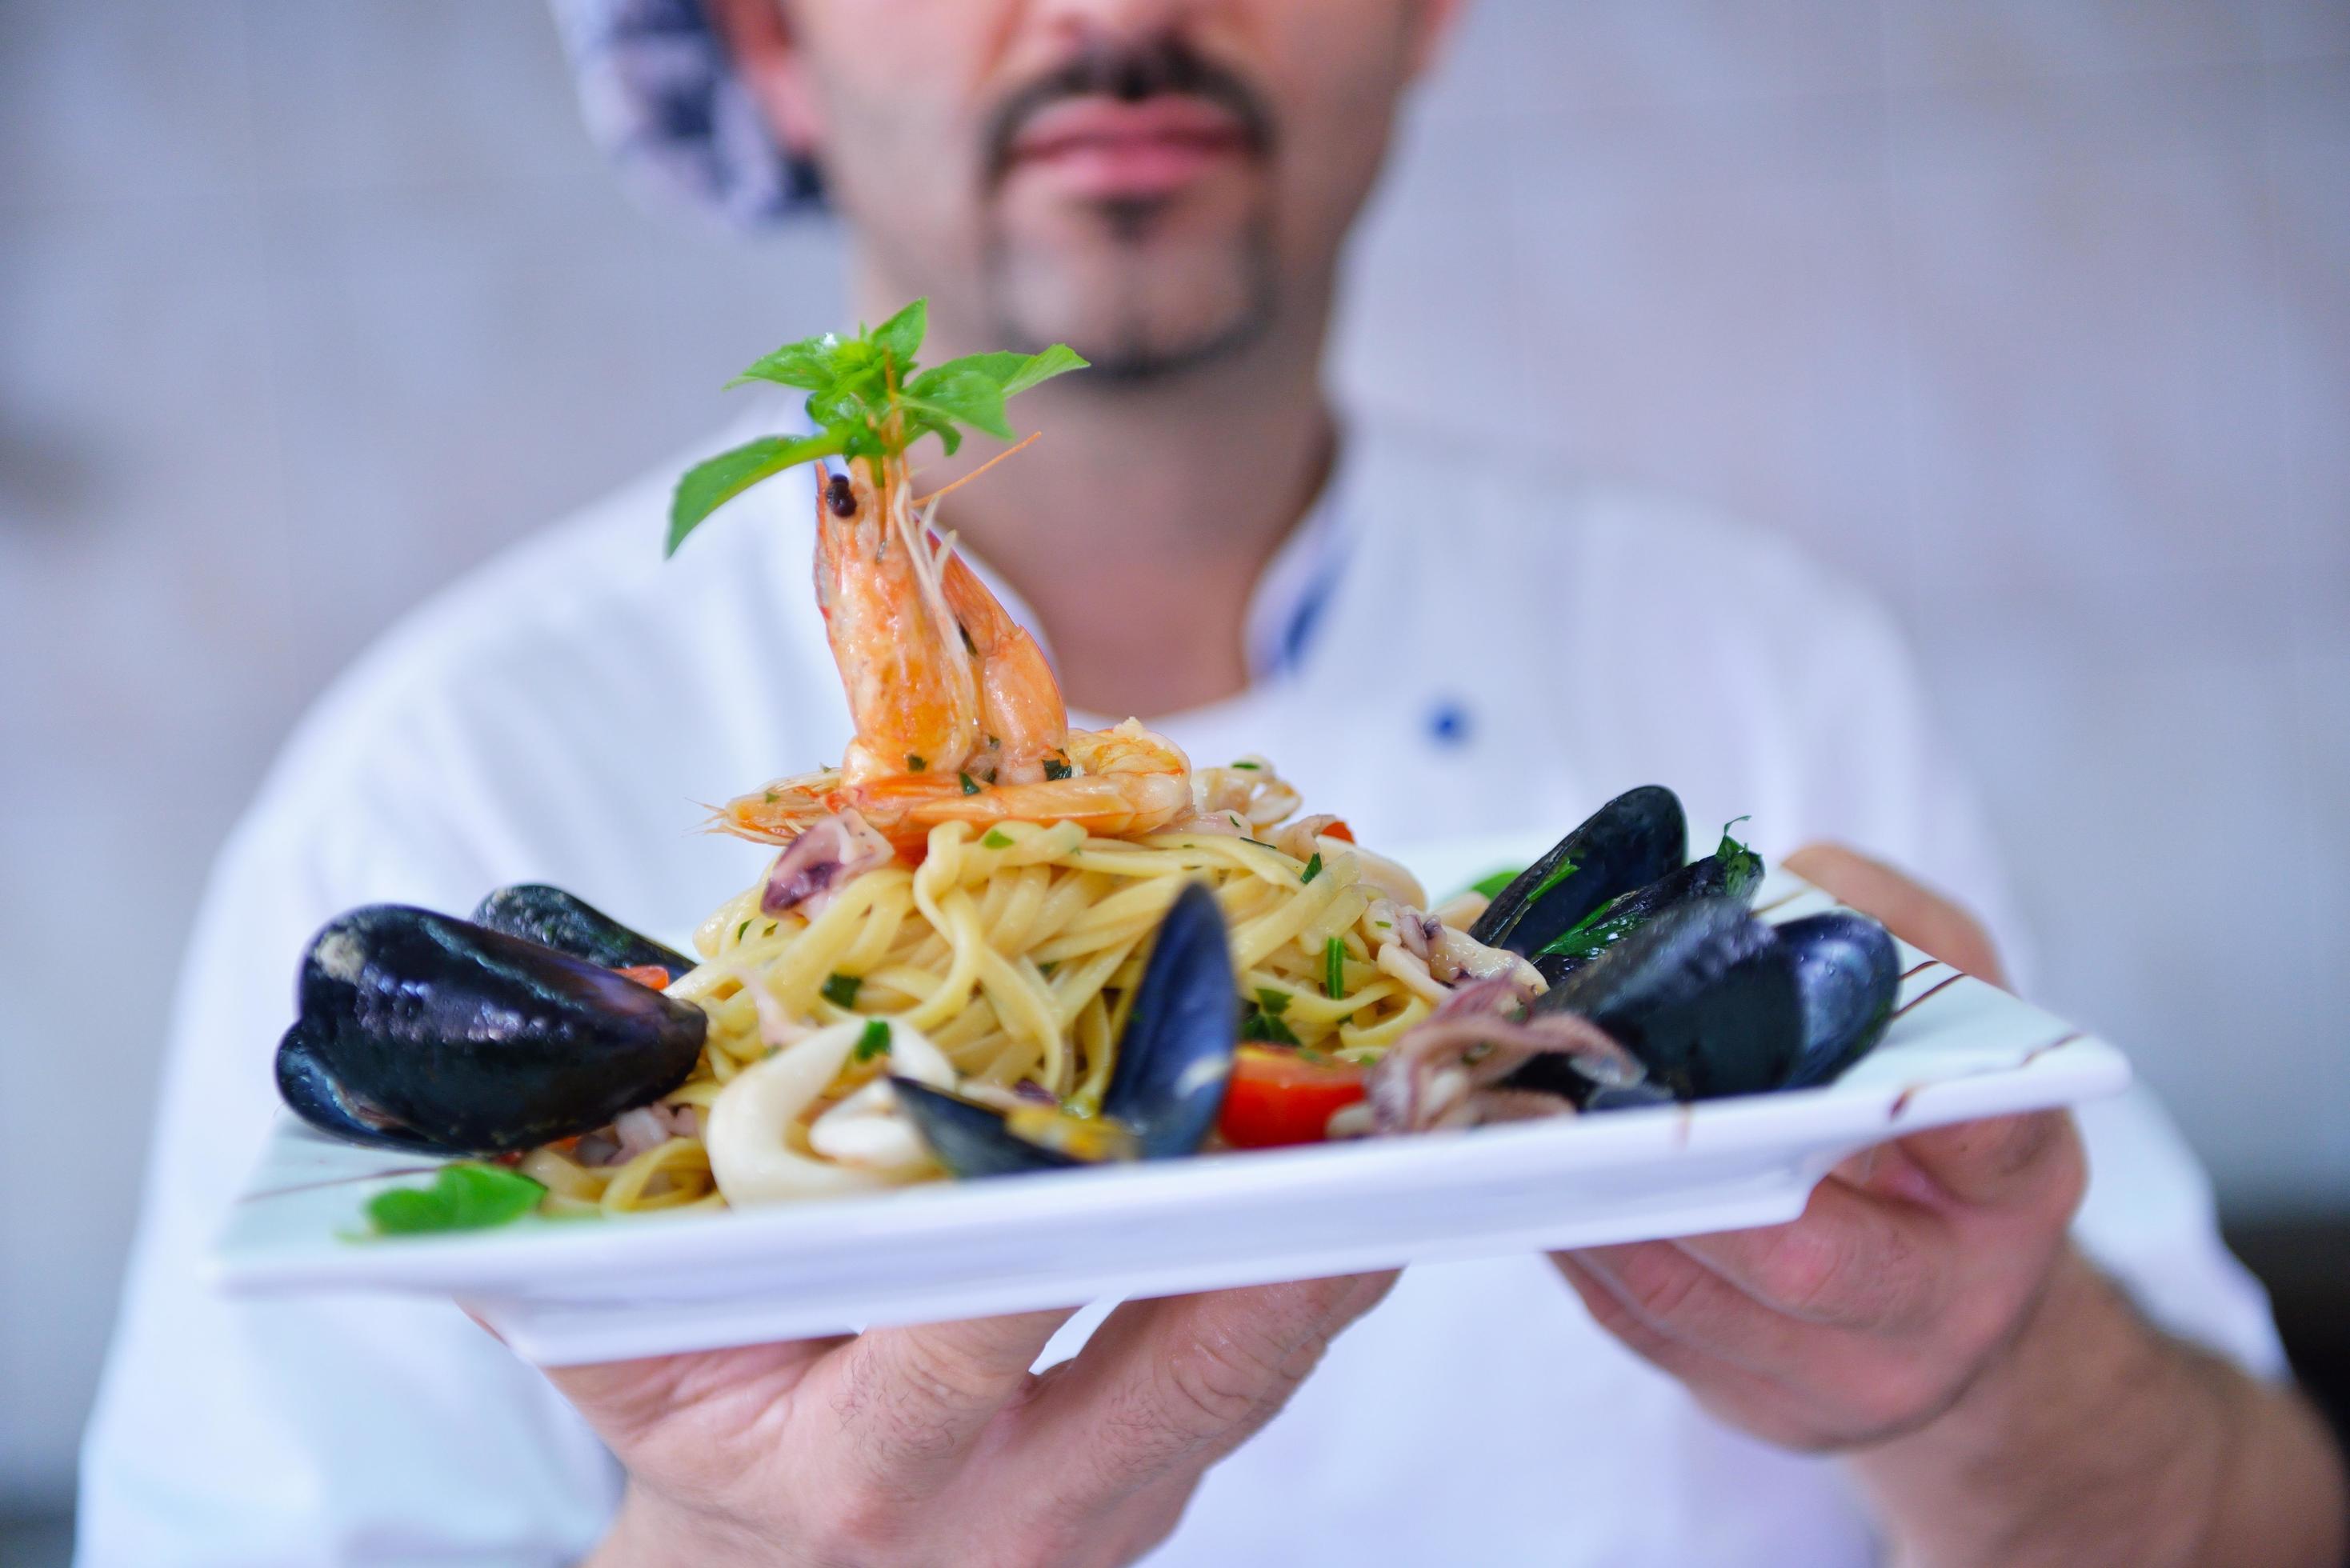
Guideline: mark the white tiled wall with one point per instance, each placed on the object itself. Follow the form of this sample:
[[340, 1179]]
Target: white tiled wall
[[2034, 313]]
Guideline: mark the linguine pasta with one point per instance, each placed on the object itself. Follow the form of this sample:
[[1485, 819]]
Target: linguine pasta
[[1015, 951]]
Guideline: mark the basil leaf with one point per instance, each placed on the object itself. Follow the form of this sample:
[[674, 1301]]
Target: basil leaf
[[463, 1197], [810, 364], [1057, 360], [901, 336], [709, 485]]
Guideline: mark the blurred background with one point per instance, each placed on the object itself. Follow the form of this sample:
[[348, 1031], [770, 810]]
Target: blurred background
[[2035, 314]]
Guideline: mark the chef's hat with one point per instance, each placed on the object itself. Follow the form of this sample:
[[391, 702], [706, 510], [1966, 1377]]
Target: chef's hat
[[662, 99]]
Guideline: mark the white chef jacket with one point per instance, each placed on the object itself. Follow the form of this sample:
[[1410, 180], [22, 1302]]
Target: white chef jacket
[[1449, 643]]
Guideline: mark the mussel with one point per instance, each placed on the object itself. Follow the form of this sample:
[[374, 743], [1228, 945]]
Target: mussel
[[1848, 973], [1164, 1092], [1713, 1002], [1732, 871], [421, 1032], [570, 924], [1625, 846]]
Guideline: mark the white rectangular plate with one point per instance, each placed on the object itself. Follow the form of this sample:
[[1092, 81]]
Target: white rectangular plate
[[563, 1292]]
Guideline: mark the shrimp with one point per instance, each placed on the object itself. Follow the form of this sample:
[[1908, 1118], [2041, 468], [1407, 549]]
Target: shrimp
[[903, 662], [958, 715]]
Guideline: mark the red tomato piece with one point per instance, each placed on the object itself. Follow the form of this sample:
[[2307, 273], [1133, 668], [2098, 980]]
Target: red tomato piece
[[651, 974], [1339, 830], [1276, 1096]]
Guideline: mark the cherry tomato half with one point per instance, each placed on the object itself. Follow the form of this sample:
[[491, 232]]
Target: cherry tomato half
[[1276, 1096]]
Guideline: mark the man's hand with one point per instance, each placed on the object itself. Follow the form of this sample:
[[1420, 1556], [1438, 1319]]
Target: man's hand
[[937, 1444], [1928, 1315]]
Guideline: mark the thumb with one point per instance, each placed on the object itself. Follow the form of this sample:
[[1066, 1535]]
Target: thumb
[[1908, 909]]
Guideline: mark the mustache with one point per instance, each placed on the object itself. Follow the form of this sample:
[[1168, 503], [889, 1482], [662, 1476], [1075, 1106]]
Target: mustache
[[1129, 71]]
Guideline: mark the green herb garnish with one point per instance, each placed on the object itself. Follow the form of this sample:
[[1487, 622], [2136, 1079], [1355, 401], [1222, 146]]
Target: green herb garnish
[[740, 929], [866, 398], [995, 839], [1313, 869], [840, 989], [1559, 873], [463, 1197], [1058, 768], [1260, 843], [1263, 1021], [970, 784], [1334, 968], [1252, 767], [1490, 886], [874, 1041], [915, 765]]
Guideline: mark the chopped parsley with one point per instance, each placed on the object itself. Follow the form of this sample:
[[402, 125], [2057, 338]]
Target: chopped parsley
[[970, 784], [1048, 967], [1313, 869], [1263, 1021], [740, 929], [1559, 873], [995, 839], [1251, 767], [1058, 768], [1334, 968], [874, 1041], [840, 989], [914, 764], [1260, 843]]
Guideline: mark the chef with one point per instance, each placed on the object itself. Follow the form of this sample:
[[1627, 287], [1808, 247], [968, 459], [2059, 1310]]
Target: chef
[[2018, 1341]]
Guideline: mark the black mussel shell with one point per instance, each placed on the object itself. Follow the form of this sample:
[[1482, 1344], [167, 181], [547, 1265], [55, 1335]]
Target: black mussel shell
[[1628, 843], [1703, 994], [1165, 1091], [970, 1139], [428, 1030], [306, 1087], [1177, 1051], [1848, 973], [570, 924], [1733, 871]]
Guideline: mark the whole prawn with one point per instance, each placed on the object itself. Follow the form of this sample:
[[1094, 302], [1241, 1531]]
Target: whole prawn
[[958, 715]]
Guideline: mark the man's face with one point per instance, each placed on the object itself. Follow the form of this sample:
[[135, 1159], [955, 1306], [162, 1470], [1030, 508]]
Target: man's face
[[1155, 182]]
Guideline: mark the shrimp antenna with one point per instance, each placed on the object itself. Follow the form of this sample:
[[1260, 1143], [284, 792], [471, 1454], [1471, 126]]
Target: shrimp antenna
[[958, 483]]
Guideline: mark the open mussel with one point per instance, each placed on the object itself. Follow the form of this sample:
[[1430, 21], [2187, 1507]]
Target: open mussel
[[1703, 994], [1713, 1002], [570, 924], [1164, 1091], [1733, 871], [417, 1031], [1625, 846]]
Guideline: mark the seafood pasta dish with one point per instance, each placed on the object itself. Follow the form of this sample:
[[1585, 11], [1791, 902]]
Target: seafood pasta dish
[[988, 943]]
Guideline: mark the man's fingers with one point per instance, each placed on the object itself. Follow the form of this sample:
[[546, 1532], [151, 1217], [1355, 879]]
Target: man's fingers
[[910, 1401], [704, 1391], [1910, 911], [1676, 1297], [1170, 1385], [2005, 1160], [1848, 1261], [1743, 1395]]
